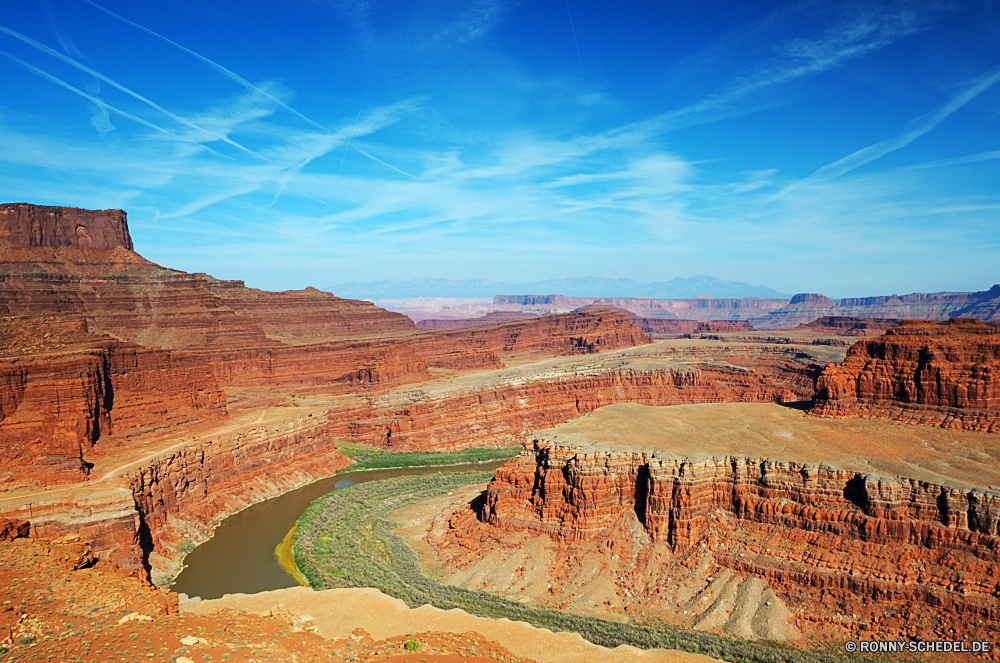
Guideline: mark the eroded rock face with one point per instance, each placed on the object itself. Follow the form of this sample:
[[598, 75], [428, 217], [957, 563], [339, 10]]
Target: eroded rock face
[[65, 390], [867, 542], [512, 406], [37, 225], [14, 529], [935, 374], [848, 326]]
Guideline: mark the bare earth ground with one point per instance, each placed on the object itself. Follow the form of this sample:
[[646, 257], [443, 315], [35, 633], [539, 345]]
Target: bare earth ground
[[337, 612], [50, 610]]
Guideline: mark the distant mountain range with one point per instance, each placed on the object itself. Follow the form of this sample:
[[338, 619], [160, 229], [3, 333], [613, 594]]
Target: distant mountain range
[[583, 286]]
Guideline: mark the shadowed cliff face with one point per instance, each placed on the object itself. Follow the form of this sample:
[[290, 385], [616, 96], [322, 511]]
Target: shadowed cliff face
[[944, 375]]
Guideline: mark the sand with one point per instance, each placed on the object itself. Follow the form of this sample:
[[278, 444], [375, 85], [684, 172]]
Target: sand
[[337, 612]]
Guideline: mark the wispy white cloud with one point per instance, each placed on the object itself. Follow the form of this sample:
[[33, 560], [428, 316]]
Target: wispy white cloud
[[918, 127], [855, 30], [475, 21], [957, 161], [96, 74]]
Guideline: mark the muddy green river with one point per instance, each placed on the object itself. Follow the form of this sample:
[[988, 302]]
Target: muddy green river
[[239, 558]]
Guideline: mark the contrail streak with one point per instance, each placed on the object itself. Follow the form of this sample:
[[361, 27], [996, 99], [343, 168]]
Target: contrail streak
[[70, 61], [922, 125], [349, 139], [376, 159], [49, 77], [578, 60], [215, 65]]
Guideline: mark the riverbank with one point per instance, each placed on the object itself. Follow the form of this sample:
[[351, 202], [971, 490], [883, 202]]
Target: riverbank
[[243, 556], [345, 540]]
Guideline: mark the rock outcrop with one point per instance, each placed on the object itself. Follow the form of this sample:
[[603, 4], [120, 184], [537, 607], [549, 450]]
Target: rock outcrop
[[825, 540], [847, 326], [36, 225], [14, 529], [919, 372], [490, 318], [65, 392]]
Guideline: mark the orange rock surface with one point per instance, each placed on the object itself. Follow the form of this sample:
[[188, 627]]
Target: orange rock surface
[[67, 391], [934, 374], [56, 603], [826, 540]]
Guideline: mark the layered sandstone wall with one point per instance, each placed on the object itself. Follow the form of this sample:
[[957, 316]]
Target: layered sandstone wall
[[63, 390], [140, 521], [860, 536], [848, 326], [935, 374], [511, 406], [37, 225], [185, 494], [574, 494], [582, 332]]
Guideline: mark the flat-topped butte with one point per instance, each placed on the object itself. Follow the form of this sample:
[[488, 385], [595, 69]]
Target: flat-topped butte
[[962, 459]]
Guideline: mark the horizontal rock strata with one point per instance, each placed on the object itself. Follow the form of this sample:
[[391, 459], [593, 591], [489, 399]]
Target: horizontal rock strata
[[511, 405], [36, 225], [935, 374], [140, 521], [64, 390], [795, 524]]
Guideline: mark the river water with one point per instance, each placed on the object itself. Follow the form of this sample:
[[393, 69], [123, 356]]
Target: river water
[[239, 558]]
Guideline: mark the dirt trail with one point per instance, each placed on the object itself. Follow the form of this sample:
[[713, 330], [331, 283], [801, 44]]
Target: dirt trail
[[337, 612]]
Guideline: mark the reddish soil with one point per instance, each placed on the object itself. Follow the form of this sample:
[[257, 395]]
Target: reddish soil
[[57, 604]]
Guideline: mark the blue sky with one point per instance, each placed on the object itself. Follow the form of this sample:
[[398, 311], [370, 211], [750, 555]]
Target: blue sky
[[843, 148]]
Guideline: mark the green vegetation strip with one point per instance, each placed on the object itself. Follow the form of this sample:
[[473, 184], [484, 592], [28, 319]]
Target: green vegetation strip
[[345, 540], [368, 457]]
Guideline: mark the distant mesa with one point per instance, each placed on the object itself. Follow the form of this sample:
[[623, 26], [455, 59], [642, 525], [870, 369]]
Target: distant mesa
[[944, 375], [811, 298], [583, 286]]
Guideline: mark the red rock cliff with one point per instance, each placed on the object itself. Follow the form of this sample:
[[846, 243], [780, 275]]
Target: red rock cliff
[[919, 372], [866, 541], [63, 390], [37, 225]]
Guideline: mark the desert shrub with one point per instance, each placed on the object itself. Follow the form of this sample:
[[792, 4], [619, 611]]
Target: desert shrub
[[367, 456], [412, 645]]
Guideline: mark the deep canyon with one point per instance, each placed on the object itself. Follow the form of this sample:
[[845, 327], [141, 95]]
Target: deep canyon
[[837, 474]]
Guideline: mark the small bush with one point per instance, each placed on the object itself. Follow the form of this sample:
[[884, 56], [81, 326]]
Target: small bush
[[412, 645]]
